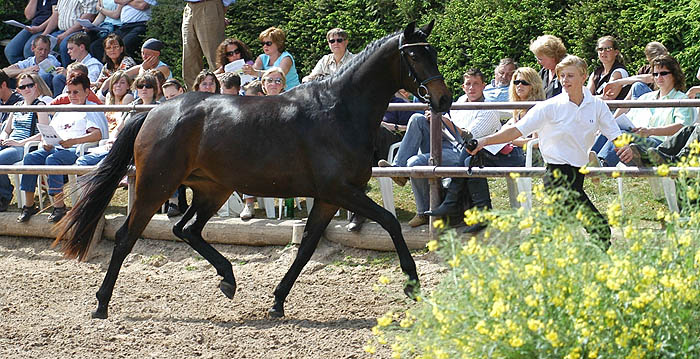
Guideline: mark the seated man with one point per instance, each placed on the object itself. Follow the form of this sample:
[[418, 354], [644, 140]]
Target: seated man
[[230, 83], [77, 50], [643, 81], [150, 53], [253, 88], [73, 128], [415, 147], [497, 90], [40, 48], [675, 147]]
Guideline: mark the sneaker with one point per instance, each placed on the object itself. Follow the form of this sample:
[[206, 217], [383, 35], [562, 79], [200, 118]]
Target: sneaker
[[248, 212], [656, 157], [57, 214], [418, 220], [356, 222], [636, 155], [27, 212], [401, 181], [4, 203], [173, 210]]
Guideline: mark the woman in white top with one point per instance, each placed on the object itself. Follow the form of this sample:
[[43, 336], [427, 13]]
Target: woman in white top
[[567, 125]]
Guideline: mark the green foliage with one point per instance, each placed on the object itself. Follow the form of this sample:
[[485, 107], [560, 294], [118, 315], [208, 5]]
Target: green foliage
[[10, 10]]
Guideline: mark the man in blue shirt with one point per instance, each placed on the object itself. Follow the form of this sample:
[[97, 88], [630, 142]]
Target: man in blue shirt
[[41, 47], [497, 90]]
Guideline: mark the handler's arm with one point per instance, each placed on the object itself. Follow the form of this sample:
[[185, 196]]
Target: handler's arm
[[506, 134]]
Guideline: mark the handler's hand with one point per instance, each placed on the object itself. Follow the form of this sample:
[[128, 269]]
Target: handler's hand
[[479, 146]]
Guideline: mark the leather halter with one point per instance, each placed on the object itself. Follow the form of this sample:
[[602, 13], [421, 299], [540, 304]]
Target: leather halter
[[422, 90]]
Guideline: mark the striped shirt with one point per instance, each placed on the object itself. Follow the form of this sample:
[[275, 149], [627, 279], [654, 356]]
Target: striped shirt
[[71, 10], [22, 123]]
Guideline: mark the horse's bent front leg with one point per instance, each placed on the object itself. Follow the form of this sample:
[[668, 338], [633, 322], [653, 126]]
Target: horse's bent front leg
[[321, 214], [358, 202]]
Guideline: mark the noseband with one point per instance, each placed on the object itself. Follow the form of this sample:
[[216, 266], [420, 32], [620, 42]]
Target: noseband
[[422, 92]]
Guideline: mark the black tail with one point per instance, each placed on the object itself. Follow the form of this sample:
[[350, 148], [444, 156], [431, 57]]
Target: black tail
[[76, 229]]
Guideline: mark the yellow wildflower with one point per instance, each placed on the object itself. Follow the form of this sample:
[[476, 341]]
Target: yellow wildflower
[[623, 140], [384, 280], [432, 245], [439, 224], [370, 349], [514, 175], [663, 170], [584, 170], [534, 324], [553, 338], [616, 174]]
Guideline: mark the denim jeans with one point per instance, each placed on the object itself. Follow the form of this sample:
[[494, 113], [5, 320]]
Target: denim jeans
[[639, 89], [609, 156], [55, 157], [58, 82], [90, 159], [421, 186], [9, 156], [478, 188], [20, 47], [416, 140]]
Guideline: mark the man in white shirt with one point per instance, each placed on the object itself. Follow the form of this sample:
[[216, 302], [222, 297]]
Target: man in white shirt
[[41, 47], [77, 50], [415, 146], [73, 128]]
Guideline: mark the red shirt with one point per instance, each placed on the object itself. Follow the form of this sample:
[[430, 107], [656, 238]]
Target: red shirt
[[64, 100]]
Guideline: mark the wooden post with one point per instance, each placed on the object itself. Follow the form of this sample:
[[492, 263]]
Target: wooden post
[[435, 160]]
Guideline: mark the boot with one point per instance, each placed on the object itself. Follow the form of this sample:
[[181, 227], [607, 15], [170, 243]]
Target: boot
[[451, 205], [480, 198]]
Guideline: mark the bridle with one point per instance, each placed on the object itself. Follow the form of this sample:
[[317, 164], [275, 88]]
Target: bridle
[[422, 92]]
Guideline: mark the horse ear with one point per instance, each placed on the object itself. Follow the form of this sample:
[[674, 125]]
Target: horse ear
[[428, 28], [410, 30]]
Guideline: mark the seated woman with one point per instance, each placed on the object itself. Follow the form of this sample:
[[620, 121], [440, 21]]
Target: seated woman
[[273, 44], [114, 59], [549, 50], [273, 83], [612, 68], [73, 128], [643, 82], [20, 128], [206, 81], [119, 85], [525, 85], [229, 51], [329, 64], [651, 126]]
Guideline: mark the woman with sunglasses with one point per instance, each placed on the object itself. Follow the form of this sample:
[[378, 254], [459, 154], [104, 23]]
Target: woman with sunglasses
[[525, 85], [329, 64], [115, 59], [229, 51], [273, 83], [651, 126], [20, 129], [612, 68], [273, 44]]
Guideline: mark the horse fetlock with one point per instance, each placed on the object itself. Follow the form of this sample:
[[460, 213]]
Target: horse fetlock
[[412, 288], [229, 289], [99, 313], [277, 310]]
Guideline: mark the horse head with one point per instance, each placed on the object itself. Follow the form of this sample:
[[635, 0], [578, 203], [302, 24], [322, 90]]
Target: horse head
[[419, 62]]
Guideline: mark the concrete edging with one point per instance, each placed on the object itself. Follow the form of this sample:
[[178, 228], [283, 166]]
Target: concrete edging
[[255, 232]]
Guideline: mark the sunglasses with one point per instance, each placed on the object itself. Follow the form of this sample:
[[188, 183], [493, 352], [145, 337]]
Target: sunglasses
[[521, 82], [273, 81], [22, 87], [604, 49], [266, 43], [662, 73], [141, 86], [234, 52], [332, 41]]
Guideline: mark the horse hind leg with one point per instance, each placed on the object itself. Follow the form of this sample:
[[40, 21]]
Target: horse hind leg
[[205, 203], [321, 214]]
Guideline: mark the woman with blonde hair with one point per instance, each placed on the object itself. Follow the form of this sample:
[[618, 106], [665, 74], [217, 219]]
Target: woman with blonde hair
[[549, 50], [525, 85], [119, 94], [274, 55]]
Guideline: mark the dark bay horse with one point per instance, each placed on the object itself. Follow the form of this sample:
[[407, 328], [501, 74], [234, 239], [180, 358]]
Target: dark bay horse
[[315, 140]]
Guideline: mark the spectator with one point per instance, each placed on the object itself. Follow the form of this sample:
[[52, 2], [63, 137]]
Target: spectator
[[253, 88], [230, 83], [675, 147], [74, 128], [160, 80], [463, 123], [64, 17], [567, 125], [273, 83], [73, 70], [20, 47], [150, 53], [612, 68], [119, 86], [134, 16], [497, 90], [107, 19], [41, 48], [329, 64], [7, 96], [549, 50], [273, 44], [643, 81], [20, 129], [172, 88], [203, 25], [114, 59], [526, 85], [654, 125], [229, 51], [206, 81], [77, 49]]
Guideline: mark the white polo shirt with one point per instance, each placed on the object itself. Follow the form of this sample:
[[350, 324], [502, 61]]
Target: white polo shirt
[[567, 131]]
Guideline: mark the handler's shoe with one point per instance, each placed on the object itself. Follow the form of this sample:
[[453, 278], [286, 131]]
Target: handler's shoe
[[418, 220], [401, 181], [248, 211]]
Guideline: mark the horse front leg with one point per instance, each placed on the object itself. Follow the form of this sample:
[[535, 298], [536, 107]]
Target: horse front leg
[[321, 214], [358, 202]]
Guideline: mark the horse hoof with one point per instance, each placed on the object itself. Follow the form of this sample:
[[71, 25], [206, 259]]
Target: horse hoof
[[277, 311], [99, 314], [412, 289], [228, 289]]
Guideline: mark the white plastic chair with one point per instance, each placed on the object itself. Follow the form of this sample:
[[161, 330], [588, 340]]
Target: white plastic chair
[[386, 184], [233, 206], [525, 183]]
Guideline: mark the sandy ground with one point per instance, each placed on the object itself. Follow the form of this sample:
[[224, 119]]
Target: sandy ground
[[167, 303]]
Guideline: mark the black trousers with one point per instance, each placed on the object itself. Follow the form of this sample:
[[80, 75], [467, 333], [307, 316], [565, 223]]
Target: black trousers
[[571, 179]]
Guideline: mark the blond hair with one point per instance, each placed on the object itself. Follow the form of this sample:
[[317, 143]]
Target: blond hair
[[271, 71], [572, 60], [550, 46], [276, 35], [536, 88]]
